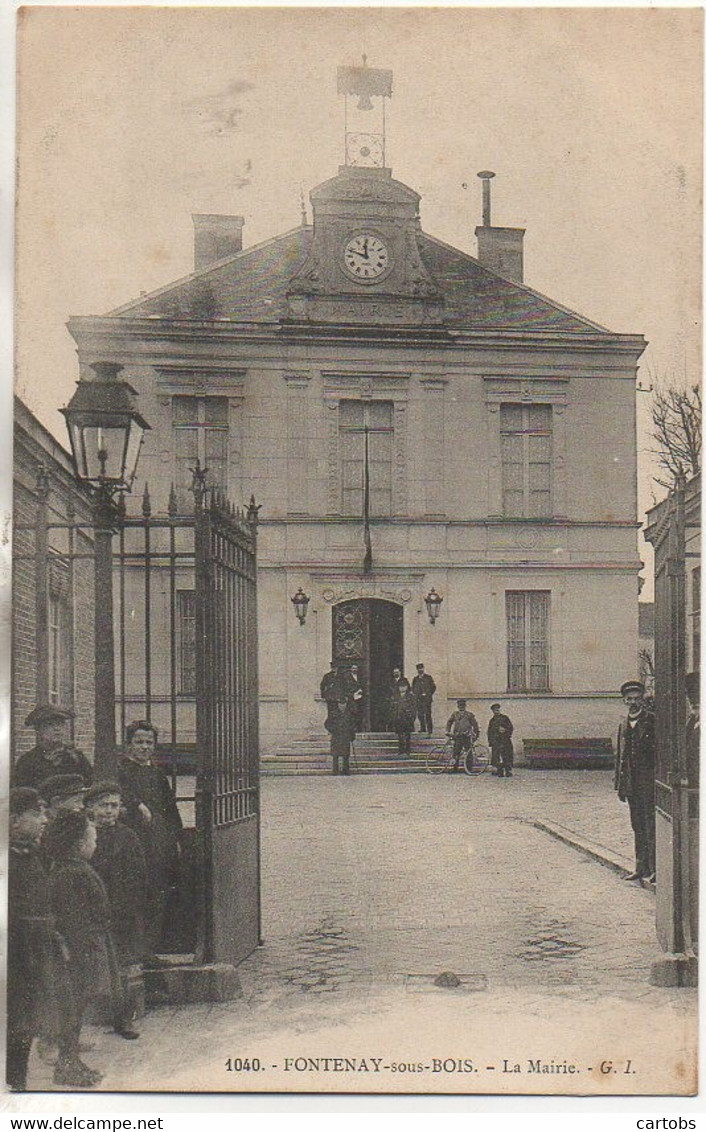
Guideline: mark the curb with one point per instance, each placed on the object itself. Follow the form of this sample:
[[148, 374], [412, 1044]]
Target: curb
[[593, 849]]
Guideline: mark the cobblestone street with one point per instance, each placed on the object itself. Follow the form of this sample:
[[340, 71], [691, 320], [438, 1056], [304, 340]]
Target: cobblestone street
[[373, 887]]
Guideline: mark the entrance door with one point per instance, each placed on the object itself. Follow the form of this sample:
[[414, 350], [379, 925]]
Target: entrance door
[[368, 632]]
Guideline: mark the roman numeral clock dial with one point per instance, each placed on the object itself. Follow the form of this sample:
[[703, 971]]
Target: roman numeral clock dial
[[366, 258]]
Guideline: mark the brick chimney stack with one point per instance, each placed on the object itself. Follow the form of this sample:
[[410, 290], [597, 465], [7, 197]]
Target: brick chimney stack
[[216, 237], [499, 249]]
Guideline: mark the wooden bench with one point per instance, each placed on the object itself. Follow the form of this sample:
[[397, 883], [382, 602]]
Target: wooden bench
[[579, 754]]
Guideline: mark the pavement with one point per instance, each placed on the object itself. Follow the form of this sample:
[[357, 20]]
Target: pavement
[[433, 934]]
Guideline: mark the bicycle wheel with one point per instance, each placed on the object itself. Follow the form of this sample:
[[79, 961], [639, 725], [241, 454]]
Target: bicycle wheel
[[477, 760], [438, 759]]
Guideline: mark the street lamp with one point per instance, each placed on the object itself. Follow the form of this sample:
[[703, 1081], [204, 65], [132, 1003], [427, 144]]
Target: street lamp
[[300, 601], [106, 432], [433, 604]]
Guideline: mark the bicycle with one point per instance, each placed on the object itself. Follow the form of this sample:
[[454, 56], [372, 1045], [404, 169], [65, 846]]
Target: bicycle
[[440, 759]]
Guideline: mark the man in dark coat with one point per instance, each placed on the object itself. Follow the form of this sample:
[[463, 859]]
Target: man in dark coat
[[331, 683], [52, 754], [393, 695], [151, 812], [341, 724], [404, 712], [500, 742], [423, 688], [635, 776]]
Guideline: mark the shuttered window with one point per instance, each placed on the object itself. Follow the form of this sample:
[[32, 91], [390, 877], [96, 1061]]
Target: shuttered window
[[353, 418], [200, 432], [527, 640], [526, 449]]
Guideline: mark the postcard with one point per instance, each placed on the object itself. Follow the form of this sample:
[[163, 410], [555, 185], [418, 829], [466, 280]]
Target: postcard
[[357, 437]]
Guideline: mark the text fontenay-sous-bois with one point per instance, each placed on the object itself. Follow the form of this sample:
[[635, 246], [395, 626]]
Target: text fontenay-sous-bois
[[445, 1065]]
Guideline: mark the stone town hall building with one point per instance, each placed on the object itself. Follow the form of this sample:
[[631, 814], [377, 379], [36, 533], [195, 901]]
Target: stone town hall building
[[502, 452]]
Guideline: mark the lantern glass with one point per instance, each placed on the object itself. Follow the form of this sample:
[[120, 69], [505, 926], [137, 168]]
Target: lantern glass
[[104, 450], [132, 451]]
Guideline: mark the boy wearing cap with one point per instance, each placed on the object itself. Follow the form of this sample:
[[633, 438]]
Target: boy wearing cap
[[62, 792], [120, 863], [463, 728], [38, 997], [635, 776], [500, 742], [52, 754]]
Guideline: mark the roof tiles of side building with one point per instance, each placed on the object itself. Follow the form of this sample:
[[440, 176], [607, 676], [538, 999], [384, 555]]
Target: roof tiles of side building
[[252, 285]]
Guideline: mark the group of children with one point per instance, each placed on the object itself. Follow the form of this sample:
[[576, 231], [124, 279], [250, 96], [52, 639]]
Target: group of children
[[78, 912]]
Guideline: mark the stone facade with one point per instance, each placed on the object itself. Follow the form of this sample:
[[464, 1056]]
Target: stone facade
[[503, 459]]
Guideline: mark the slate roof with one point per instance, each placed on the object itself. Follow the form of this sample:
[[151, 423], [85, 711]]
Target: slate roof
[[252, 285]]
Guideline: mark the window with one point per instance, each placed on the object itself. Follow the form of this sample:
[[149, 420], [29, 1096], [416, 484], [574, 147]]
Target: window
[[527, 640], [354, 418], [59, 662], [200, 433], [696, 619], [526, 448], [186, 642], [54, 628]]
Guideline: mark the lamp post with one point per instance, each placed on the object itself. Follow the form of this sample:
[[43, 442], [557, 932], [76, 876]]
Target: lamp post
[[433, 603], [300, 601], [106, 433]]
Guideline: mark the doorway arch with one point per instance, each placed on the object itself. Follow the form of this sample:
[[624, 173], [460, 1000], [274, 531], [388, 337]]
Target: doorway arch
[[369, 632]]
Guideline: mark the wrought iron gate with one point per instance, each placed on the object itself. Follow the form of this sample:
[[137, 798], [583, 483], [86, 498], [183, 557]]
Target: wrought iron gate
[[186, 659], [227, 783]]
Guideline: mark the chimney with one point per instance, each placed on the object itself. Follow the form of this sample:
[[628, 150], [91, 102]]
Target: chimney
[[499, 249], [216, 237]]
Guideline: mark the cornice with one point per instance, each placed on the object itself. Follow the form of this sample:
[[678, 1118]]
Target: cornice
[[291, 332]]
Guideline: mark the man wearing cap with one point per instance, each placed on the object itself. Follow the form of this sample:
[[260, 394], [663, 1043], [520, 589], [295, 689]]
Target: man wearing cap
[[423, 688], [38, 998], [635, 776], [463, 728], [500, 742], [52, 754]]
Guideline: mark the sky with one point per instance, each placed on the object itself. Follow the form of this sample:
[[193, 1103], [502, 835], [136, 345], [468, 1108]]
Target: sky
[[132, 119]]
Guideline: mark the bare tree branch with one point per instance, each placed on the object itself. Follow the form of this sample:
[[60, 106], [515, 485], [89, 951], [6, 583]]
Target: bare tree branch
[[676, 421]]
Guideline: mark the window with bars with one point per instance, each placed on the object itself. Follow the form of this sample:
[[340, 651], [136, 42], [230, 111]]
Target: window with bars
[[200, 432], [186, 642], [353, 418], [526, 449], [527, 640], [696, 619]]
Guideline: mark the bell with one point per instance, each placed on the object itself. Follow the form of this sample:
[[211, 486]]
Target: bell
[[364, 102]]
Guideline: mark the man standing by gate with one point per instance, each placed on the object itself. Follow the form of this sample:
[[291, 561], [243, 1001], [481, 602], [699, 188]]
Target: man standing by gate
[[423, 688], [635, 776]]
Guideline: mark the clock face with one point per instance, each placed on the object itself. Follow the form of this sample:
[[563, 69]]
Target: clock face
[[366, 258]]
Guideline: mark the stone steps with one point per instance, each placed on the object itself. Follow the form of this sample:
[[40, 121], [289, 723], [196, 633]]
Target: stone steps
[[373, 753]]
